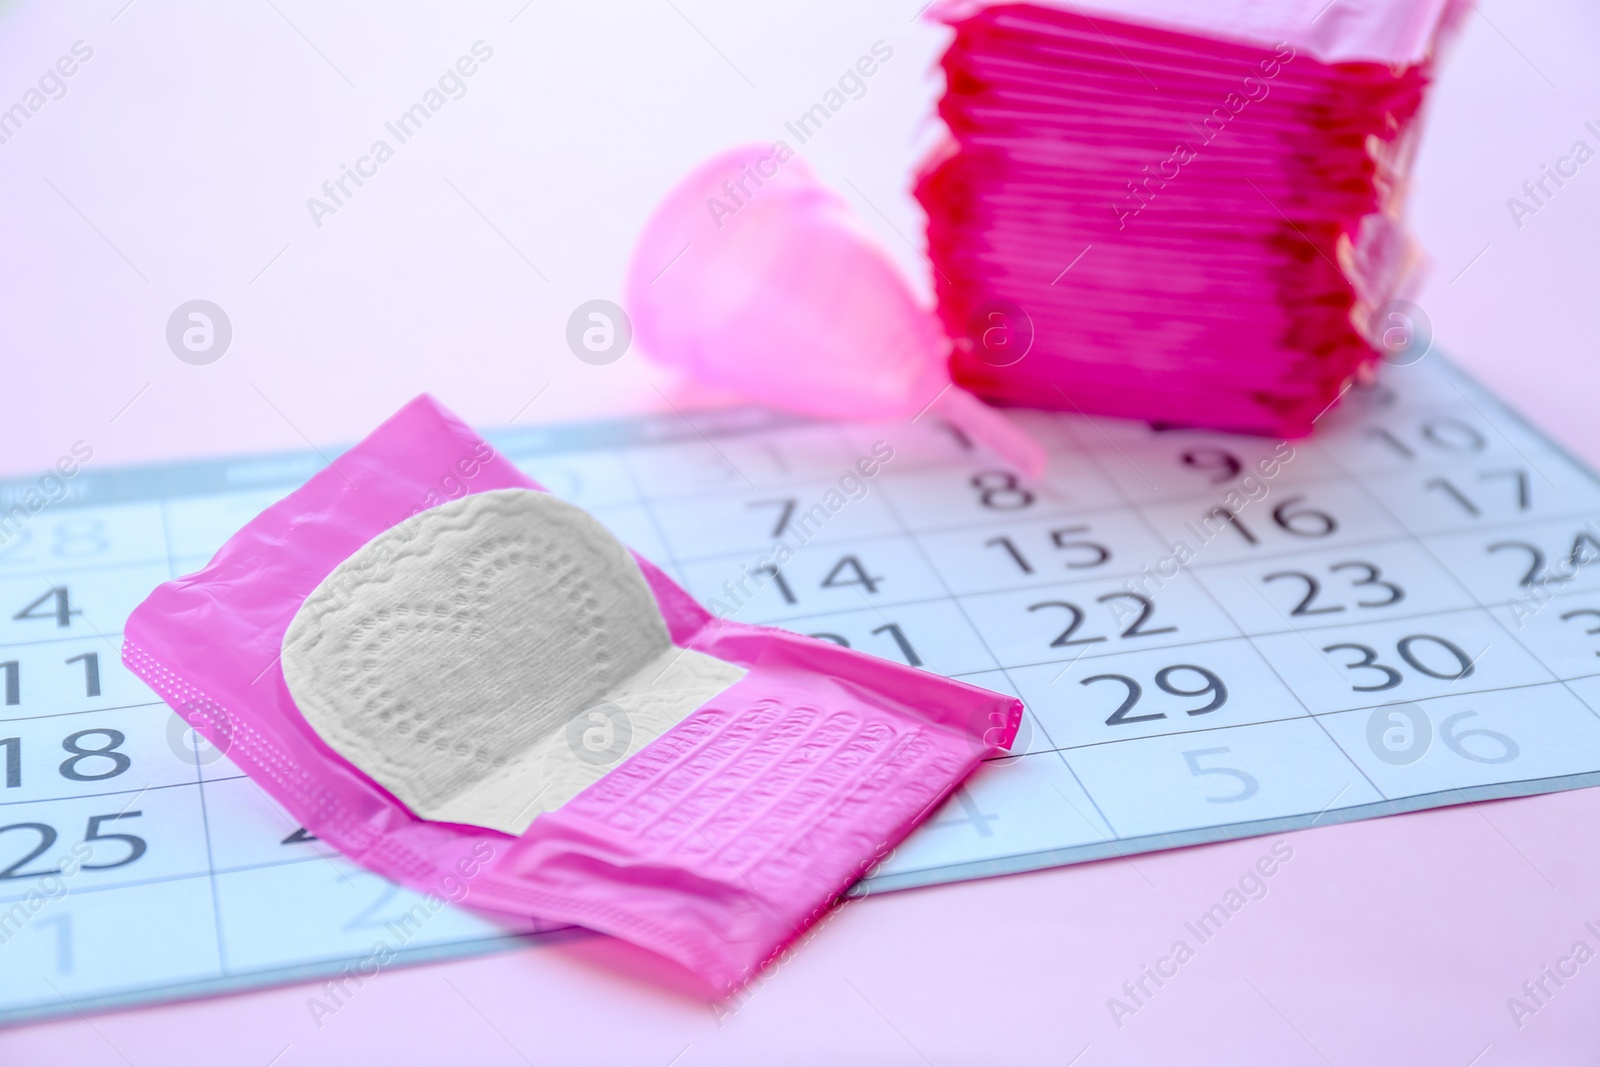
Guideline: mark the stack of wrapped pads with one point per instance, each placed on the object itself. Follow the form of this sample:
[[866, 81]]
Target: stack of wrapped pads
[[1173, 214]]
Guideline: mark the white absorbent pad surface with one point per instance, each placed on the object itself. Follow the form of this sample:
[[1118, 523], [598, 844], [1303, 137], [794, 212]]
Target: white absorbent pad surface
[[488, 659]]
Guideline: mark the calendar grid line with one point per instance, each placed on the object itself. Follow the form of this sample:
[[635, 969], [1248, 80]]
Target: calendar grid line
[[165, 514], [1514, 446], [1473, 608], [1088, 511], [211, 861], [41, 642], [522, 449], [117, 792], [1457, 379], [282, 975], [1304, 637], [1127, 500], [645, 502], [188, 876], [1485, 609], [1113, 652], [1021, 863], [1419, 539], [556, 440], [1026, 588], [50, 574], [1149, 523], [1292, 717], [950, 595], [1365, 542], [86, 711]]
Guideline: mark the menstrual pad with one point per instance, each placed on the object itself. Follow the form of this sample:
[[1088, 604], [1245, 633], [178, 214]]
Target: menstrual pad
[[490, 658], [1188, 213], [715, 844]]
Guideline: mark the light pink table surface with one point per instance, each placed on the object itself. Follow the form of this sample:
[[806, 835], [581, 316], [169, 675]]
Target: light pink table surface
[[177, 166]]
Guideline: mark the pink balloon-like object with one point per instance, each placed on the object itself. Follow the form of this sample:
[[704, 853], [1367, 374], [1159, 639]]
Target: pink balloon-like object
[[753, 275]]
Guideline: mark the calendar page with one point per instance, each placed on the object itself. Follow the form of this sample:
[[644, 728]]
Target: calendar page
[[1214, 637]]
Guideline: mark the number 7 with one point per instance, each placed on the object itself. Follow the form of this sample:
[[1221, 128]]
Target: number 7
[[787, 504], [1248, 786]]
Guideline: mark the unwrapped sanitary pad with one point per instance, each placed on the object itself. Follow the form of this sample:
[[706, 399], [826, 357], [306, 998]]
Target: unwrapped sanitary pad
[[419, 652], [506, 656]]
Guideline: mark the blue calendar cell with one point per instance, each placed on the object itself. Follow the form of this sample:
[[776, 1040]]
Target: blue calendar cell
[[822, 579], [791, 455], [259, 832], [1525, 564], [689, 468], [752, 522], [591, 480], [115, 833], [65, 676], [1399, 394], [1035, 552], [1450, 743], [1029, 806], [63, 538], [927, 442], [981, 494], [1109, 699], [1058, 623], [58, 603], [1488, 494], [208, 762], [1224, 528], [1334, 587], [1243, 774], [1587, 689], [697, 464], [77, 946], [197, 526], [283, 915], [633, 525], [1446, 439], [1407, 659], [1183, 464], [116, 750], [1562, 631], [934, 635]]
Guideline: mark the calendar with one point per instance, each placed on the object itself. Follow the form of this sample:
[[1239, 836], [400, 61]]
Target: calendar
[[1213, 636]]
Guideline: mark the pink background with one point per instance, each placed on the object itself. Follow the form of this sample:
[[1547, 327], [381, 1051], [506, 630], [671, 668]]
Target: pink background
[[177, 166]]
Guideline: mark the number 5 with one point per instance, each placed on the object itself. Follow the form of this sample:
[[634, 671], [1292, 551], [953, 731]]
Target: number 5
[[1248, 786]]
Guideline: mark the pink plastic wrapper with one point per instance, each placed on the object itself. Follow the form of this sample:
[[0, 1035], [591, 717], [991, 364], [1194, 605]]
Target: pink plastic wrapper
[[774, 289], [716, 845], [1193, 211]]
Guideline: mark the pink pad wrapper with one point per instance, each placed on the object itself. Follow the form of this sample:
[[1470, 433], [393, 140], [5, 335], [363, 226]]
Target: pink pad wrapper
[[716, 845], [1194, 210]]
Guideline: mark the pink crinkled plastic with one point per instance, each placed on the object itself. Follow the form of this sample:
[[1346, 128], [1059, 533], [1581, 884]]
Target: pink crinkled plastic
[[1194, 210], [774, 289], [1394, 32], [715, 846]]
